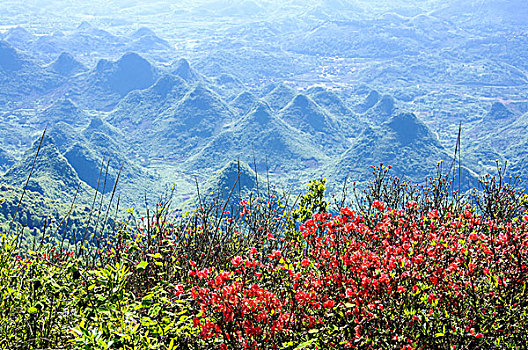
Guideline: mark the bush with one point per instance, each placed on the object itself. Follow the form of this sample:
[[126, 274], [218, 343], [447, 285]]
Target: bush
[[403, 268]]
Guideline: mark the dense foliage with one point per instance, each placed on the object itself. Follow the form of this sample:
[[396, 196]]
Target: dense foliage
[[403, 268]]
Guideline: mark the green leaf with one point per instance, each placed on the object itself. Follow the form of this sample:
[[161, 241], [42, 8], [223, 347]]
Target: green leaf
[[142, 265], [304, 345]]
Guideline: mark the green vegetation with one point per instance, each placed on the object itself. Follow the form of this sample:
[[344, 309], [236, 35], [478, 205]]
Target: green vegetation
[[401, 267], [203, 99]]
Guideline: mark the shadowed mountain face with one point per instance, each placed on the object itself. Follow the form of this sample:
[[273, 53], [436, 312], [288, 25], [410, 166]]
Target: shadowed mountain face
[[370, 101], [104, 86], [183, 69], [499, 111], [408, 129], [131, 72], [10, 60], [90, 168], [67, 65], [383, 109]]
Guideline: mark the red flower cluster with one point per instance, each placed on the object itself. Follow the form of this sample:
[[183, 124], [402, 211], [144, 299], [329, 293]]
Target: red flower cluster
[[408, 278]]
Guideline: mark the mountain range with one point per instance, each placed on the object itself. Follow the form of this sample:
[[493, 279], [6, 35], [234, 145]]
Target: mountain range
[[295, 91]]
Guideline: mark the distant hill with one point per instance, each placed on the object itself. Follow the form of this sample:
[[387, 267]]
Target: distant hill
[[21, 79], [199, 115], [280, 96], [382, 110], [144, 40], [10, 59], [499, 111], [53, 176], [183, 69], [349, 123], [264, 138], [130, 72], [67, 65], [370, 101], [62, 110], [306, 116], [228, 85], [108, 82], [19, 36], [403, 142], [140, 108], [223, 181], [244, 102]]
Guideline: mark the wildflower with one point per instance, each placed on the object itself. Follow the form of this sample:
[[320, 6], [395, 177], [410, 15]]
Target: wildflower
[[433, 214], [379, 205], [328, 304], [237, 260]]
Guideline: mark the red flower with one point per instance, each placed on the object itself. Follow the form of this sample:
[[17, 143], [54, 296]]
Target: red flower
[[305, 263], [237, 260], [431, 298], [433, 214], [328, 304], [347, 212], [379, 205]]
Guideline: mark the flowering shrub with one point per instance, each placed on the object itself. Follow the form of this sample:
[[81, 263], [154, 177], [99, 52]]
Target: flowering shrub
[[412, 271], [409, 281]]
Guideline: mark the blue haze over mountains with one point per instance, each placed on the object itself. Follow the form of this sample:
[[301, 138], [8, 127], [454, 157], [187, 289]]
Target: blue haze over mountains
[[177, 90]]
